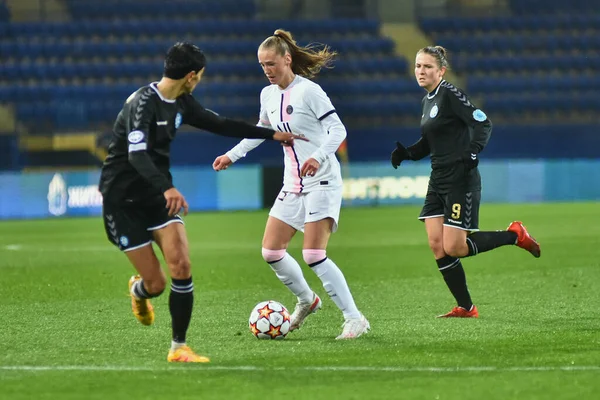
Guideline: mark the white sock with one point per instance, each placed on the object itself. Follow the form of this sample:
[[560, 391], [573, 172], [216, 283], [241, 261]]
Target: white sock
[[176, 345], [290, 274], [337, 288]]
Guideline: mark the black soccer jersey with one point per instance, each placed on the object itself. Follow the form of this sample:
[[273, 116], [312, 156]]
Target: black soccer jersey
[[138, 161], [451, 125]]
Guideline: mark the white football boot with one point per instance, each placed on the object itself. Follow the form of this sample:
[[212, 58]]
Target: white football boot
[[354, 327], [303, 310]]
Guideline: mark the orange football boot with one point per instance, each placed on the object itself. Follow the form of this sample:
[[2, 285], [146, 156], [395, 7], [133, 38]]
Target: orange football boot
[[524, 239]]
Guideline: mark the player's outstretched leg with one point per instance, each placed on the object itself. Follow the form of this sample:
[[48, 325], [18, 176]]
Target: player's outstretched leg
[[524, 239], [140, 301], [516, 234]]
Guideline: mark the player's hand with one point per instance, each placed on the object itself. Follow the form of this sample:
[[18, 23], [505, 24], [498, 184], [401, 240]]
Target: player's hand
[[309, 168], [398, 155], [222, 162], [287, 138], [470, 159], [175, 202]]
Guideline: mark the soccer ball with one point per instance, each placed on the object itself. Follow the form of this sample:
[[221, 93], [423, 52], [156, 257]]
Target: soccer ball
[[269, 320]]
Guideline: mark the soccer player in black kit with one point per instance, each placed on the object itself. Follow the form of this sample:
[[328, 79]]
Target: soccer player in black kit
[[453, 133], [140, 203]]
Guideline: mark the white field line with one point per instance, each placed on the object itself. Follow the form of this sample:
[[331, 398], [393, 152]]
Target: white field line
[[396, 369]]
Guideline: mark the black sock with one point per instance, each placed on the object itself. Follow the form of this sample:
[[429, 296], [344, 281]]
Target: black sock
[[479, 242], [181, 302], [454, 275]]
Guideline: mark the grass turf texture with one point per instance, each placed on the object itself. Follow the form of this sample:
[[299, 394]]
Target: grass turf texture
[[67, 331]]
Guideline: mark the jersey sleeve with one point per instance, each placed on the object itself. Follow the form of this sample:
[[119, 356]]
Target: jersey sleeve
[[263, 116], [321, 106], [242, 148], [479, 124], [247, 145], [199, 117], [318, 101], [419, 150], [142, 114]]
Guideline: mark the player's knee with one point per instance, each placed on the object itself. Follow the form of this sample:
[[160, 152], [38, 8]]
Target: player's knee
[[272, 256], [455, 249], [180, 267], [314, 256], [436, 245]]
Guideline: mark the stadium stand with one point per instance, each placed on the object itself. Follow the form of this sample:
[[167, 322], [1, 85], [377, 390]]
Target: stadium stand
[[85, 69], [522, 66], [538, 62]]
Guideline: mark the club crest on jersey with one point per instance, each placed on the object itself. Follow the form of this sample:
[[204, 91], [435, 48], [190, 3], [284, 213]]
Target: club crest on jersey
[[289, 109], [434, 111], [178, 120], [135, 137], [479, 115]]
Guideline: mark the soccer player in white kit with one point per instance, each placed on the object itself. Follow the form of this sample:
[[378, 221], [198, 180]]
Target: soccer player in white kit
[[311, 196]]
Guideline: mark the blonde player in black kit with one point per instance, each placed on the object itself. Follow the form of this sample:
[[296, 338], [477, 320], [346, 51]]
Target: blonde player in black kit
[[453, 133], [140, 203]]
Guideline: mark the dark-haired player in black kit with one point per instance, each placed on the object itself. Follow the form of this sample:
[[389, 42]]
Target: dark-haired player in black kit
[[454, 132], [141, 205]]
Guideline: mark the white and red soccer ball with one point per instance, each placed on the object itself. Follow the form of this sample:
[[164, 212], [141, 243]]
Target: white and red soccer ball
[[269, 320]]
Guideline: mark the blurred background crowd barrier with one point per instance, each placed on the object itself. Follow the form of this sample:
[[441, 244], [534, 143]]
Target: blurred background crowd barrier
[[68, 65]]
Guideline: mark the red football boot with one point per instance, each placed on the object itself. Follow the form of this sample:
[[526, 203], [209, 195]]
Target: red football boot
[[459, 312], [524, 239]]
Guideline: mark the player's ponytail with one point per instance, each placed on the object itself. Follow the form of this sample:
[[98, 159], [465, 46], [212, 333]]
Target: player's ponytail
[[306, 61]]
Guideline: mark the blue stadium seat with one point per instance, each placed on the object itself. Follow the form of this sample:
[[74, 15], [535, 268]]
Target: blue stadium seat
[[94, 9], [87, 49]]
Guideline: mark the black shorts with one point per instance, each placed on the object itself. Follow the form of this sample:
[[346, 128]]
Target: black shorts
[[460, 209], [129, 225]]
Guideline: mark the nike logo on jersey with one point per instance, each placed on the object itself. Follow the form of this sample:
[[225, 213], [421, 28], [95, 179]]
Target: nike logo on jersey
[[273, 111], [313, 213]]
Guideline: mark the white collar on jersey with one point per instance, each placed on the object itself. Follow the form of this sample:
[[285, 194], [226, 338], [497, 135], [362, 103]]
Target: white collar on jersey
[[154, 86], [430, 95]]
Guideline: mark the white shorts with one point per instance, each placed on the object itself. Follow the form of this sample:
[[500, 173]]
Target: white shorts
[[297, 209]]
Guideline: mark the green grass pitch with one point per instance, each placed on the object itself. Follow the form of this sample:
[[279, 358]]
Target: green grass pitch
[[66, 329]]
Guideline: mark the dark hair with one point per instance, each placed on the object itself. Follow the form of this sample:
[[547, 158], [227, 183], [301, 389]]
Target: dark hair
[[306, 61], [183, 58], [440, 54]]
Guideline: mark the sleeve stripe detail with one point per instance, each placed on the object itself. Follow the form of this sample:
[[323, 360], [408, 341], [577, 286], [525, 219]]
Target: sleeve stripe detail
[[327, 114], [137, 147], [461, 96]]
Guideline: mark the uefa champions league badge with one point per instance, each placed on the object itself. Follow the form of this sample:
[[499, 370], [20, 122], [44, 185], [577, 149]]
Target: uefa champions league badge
[[135, 137], [124, 241], [177, 120], [479, 115], [434, 111]]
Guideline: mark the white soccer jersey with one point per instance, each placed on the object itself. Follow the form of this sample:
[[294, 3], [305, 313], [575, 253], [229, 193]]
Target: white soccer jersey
[[304, 109]]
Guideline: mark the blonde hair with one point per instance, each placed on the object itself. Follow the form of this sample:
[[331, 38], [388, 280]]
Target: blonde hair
[[439, 53], [306, 61]]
